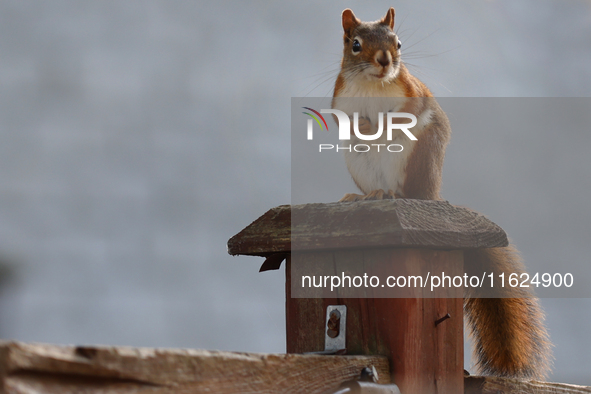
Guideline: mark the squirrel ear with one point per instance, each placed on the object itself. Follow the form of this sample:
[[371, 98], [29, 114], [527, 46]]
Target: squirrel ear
[[350, 21], [388, 20]]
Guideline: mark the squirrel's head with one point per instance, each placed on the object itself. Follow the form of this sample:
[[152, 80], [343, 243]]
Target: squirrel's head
[[372, 49]]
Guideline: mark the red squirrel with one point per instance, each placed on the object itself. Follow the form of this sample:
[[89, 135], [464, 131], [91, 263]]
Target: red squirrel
[[510, 339]]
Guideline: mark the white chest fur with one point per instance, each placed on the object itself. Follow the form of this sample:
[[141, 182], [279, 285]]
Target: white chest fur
[[383, 169]]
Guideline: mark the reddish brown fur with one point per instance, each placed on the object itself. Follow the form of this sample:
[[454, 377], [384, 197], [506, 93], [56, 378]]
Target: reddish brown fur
[[425, 164], [509, 334], [338, 87], [412, 86]]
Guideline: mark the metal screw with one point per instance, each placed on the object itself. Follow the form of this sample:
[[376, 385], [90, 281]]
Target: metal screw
[[334, 323], [444, 318]]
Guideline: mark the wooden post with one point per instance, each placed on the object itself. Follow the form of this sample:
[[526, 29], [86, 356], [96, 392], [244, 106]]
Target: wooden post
[[420, 331]]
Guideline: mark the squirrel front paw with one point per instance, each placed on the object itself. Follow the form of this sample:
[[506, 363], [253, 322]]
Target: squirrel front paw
[[379, 195], [351, 197], [364, 126]]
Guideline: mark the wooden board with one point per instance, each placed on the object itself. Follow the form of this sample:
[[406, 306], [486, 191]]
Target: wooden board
[[40, 368], [493, 385], [385, 223]]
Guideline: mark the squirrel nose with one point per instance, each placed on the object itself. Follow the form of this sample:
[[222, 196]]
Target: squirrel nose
[[382, 58]]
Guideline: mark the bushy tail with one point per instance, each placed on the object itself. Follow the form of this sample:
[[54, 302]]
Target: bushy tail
[[509, 335]]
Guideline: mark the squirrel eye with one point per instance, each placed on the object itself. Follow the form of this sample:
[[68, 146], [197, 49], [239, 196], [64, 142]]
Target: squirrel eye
[[356, 46], [399, 44]]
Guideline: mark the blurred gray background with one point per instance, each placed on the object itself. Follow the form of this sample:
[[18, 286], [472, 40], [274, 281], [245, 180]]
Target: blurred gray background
[[137, 137]]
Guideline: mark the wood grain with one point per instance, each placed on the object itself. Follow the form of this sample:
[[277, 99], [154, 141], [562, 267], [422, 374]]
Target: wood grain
[[40, 368], [425, 357], [493, 385], [385, 223]]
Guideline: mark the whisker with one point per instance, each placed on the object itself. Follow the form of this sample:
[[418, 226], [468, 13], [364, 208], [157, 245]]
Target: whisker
[[324, 81], [418, 55], [423, 39]]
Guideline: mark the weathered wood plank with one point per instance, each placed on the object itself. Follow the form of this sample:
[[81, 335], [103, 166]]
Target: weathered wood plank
[[493, 385], [385, 223], [269, 234], [36, 368]]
